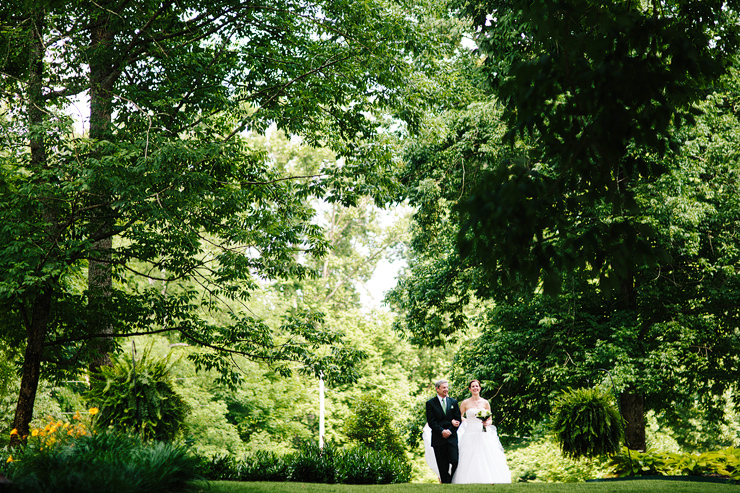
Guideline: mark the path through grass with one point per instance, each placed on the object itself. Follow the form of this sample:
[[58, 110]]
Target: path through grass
[[633, 486]]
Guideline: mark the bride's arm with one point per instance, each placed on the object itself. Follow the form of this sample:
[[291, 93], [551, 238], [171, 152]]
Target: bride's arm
[[463, 408]]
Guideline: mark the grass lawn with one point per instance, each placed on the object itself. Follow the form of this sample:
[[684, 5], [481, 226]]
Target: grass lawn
[[647, 486]]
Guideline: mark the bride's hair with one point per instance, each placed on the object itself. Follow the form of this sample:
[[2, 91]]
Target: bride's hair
[[474, 380]]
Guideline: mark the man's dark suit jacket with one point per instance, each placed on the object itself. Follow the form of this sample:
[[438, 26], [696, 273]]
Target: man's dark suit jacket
[[439, 420]]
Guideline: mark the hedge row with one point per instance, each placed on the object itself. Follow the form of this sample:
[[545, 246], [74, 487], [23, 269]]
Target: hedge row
[[358, 465]]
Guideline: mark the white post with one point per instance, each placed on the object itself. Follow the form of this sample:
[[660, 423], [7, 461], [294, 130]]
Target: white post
[[321, 409]]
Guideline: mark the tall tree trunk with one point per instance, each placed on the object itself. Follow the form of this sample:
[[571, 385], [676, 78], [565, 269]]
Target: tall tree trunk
[[100, 272], [36, 336], [40, 309], [100, 283], [632, 404], [633, 410]]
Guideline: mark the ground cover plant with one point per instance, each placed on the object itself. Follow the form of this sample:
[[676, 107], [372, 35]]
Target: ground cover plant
[[725, 462]]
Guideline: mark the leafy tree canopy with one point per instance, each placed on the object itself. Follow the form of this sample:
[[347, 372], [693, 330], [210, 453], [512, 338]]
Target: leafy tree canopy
[[589, 198], [599, 87], [675, 344], [162, 211]]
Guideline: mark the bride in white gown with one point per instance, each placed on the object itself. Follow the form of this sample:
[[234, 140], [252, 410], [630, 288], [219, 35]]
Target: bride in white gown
[[482, 458]]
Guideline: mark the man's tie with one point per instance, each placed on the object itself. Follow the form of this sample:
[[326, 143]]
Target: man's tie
[[444, 404]]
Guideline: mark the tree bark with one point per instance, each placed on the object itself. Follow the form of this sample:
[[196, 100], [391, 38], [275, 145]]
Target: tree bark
[[100, 272], [632, 404], [38, 319], [633, 410], [36, 335], [100, 284]]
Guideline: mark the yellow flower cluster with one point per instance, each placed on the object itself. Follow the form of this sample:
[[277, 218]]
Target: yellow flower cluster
[[57, 431]]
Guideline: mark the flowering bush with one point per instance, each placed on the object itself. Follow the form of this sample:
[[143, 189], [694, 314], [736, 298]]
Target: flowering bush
[[71, 457], [56, 433]]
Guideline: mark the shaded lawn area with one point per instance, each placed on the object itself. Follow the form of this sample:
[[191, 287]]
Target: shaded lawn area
[[647, 486]]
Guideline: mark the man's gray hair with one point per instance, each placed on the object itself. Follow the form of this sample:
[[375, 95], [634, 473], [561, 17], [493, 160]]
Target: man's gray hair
[[439, 383]]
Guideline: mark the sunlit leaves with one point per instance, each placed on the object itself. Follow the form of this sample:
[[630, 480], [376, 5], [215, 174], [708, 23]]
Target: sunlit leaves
[[197, 217]]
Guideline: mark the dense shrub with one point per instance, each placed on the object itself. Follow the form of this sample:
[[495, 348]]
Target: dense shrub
[[108, 461], [263, 466], [218, 467], [357, 465], [312, 464], [725, 462], [587, 423], [542, 460], [361, 465], [371, 424], [256, 466]]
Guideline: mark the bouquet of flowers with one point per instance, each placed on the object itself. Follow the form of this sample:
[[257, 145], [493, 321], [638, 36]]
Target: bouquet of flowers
[[483, 415]]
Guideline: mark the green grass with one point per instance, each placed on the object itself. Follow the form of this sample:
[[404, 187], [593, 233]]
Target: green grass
[[647, 486]]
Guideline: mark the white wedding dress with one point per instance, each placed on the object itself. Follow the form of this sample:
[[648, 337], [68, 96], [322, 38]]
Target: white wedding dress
[[482, 458]]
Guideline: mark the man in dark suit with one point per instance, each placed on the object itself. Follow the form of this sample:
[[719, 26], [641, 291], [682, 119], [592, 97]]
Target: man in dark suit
[[443, 417]]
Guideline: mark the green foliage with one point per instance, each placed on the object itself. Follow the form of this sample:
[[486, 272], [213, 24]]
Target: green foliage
[[218, 466], [208, 428], [589, 201], [633, 486], [254, 466], [47, 405], [362, 465], [138, 395], [104, 461], [371, 424], [7, 375], [635, 463], [355, 465], [600, 102], [313, 464], [587, 423], [725, 462], [164, 190], [692, 429], [264, 465], [541, 460]]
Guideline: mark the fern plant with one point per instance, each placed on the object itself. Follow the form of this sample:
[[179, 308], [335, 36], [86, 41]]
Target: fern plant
[[138, 396], [587, 423]]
